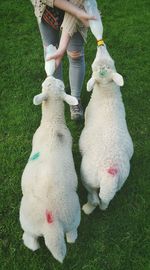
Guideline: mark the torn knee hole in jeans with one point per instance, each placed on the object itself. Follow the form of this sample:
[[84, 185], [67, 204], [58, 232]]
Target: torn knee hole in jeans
[[74, 54]]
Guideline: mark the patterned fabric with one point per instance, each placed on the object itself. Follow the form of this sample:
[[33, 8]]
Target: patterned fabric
[[40, 5], [70, 24], [53, 16]]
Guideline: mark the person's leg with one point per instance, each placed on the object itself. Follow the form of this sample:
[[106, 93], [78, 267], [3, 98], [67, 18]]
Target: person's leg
[[75, 53], [50, 36]]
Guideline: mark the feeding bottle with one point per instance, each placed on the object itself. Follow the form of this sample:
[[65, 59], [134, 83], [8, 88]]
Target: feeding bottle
[[50, 65], [95, 25]]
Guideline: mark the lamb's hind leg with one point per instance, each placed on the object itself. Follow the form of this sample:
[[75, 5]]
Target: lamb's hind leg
[[72, 236], [30, 241], [108, 188], [93, 201]]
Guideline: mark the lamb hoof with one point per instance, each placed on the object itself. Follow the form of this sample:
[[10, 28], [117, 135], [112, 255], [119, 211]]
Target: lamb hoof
[[30, 242], [71, 237], [103, 206], [88, 208]]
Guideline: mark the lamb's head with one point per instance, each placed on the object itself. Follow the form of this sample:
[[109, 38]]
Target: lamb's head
[[104, 71], [54, 89]]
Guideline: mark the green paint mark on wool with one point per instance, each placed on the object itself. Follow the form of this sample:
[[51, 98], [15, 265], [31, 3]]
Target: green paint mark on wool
[[35, 156], [102, 73]]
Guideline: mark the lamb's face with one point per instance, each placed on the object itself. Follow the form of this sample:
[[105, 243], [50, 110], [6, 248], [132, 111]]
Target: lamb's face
[[53, 88], [103, 70]]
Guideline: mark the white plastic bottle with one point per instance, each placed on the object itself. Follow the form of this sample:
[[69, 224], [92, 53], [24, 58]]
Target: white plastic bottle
[[50, 65], [96, 26]]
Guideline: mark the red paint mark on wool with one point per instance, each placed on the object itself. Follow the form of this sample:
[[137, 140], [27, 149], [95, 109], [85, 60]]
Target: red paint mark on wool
[[49, 217], [113, 171]]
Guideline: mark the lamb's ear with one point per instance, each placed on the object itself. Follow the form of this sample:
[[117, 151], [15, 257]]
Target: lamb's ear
[[37, 100], [90, 84], [118, 79], [70, 100]]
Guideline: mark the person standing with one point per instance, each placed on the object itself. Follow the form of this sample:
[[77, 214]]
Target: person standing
[[71, 18]]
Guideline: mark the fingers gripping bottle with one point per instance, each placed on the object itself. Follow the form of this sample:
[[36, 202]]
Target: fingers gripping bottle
[[95, 25], [50, 65]]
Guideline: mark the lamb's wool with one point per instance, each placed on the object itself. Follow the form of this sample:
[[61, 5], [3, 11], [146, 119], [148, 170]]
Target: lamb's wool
[[105, 143], [50, 205]]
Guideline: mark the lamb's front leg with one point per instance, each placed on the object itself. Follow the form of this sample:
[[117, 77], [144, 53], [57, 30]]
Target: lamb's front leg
[[30, 241], [93, 201]]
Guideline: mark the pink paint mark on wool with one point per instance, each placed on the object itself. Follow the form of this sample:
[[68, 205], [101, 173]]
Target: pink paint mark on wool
[[113, 171], [49, 217]]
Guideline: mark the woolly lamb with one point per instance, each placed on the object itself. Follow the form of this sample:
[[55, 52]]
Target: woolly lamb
[[105, 143], [50, 205]]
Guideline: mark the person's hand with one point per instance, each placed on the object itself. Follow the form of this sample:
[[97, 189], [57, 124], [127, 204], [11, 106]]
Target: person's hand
[[84, 17], [57, 57], [64, 40], [74, 10]]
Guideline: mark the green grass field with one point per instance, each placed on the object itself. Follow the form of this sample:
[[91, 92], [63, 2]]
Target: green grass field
[[117, 239]]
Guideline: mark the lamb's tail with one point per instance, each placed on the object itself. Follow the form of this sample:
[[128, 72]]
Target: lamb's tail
[[54, 240], [108, 186]]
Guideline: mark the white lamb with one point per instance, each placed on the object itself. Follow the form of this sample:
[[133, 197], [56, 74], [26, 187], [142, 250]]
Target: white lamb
[[50, 205], [105, 143]]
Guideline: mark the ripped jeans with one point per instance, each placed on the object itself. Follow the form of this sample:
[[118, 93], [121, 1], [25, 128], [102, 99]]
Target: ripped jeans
[[75, 52]]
